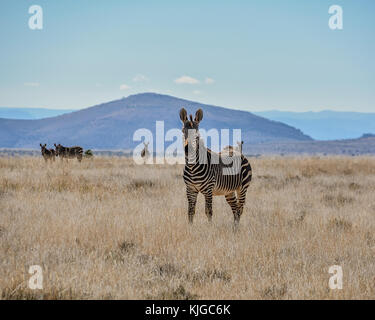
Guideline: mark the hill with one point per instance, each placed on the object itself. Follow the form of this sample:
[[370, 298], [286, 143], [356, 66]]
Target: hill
[[111, 125], [326, 125]]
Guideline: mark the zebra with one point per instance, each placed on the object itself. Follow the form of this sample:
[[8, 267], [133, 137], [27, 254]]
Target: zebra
[[71, 152], [88, 154], [145, 153], [240, 145], [48, 154], [211, 175], [233, 150]]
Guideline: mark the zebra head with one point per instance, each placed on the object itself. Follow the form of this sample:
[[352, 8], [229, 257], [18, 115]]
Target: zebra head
[[190, 130], [43, 147], [58, 149]]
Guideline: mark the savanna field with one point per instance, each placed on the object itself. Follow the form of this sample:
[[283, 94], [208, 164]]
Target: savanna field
[[107, 228]]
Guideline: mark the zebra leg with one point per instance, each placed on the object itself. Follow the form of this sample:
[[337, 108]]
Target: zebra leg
[[241, 195], [208, 201], [232, 201], [192, 200]]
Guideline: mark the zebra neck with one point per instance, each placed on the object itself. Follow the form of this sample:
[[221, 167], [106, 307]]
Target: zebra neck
[[201, 156]]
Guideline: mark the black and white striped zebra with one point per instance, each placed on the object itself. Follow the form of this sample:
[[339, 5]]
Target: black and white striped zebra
[[211, 173], [48, 154], [69, 152], [145, 153]]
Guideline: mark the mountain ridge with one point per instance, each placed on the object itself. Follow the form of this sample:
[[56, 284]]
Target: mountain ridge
[[111, 125], [326, 124], [31, 113]]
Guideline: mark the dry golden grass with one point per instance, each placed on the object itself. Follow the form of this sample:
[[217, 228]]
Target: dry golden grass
[[107, 228]]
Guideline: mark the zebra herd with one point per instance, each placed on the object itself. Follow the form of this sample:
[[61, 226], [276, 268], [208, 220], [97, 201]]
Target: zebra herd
[[62, 152], [227, 173]]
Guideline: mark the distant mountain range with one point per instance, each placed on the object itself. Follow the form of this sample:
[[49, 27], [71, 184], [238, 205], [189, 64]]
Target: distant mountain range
[[30, 113], [112, 125], [364, 145], [326, 125]]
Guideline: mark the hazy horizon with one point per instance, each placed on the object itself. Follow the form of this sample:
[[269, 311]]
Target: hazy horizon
[[249, 109]]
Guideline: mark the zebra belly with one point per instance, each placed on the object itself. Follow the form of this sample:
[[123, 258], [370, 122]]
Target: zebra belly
[[220, 192], [226, 184]]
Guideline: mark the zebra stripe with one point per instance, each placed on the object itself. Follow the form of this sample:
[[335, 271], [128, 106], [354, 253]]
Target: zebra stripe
[[69, 152]]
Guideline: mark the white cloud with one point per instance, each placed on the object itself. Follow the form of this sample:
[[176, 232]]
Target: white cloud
[[186, 80], [209, 81], [124, 87], [32, 84], [140, 78], [197, 92]]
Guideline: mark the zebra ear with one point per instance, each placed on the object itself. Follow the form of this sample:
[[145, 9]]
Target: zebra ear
[[55, 144], [198, 115], [45, 145], [183, 115], [40, 144]]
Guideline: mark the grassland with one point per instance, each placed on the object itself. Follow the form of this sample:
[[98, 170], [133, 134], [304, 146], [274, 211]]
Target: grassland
[[109, 229]]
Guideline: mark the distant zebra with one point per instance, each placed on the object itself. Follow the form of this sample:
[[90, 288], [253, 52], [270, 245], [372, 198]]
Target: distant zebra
[[240, 145], [145, 153], [233, 150], [208, 172], [88, 154], [69, 152], [48, 154]]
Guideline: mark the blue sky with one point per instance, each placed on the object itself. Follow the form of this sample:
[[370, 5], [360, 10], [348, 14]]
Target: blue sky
[[252, 55]]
